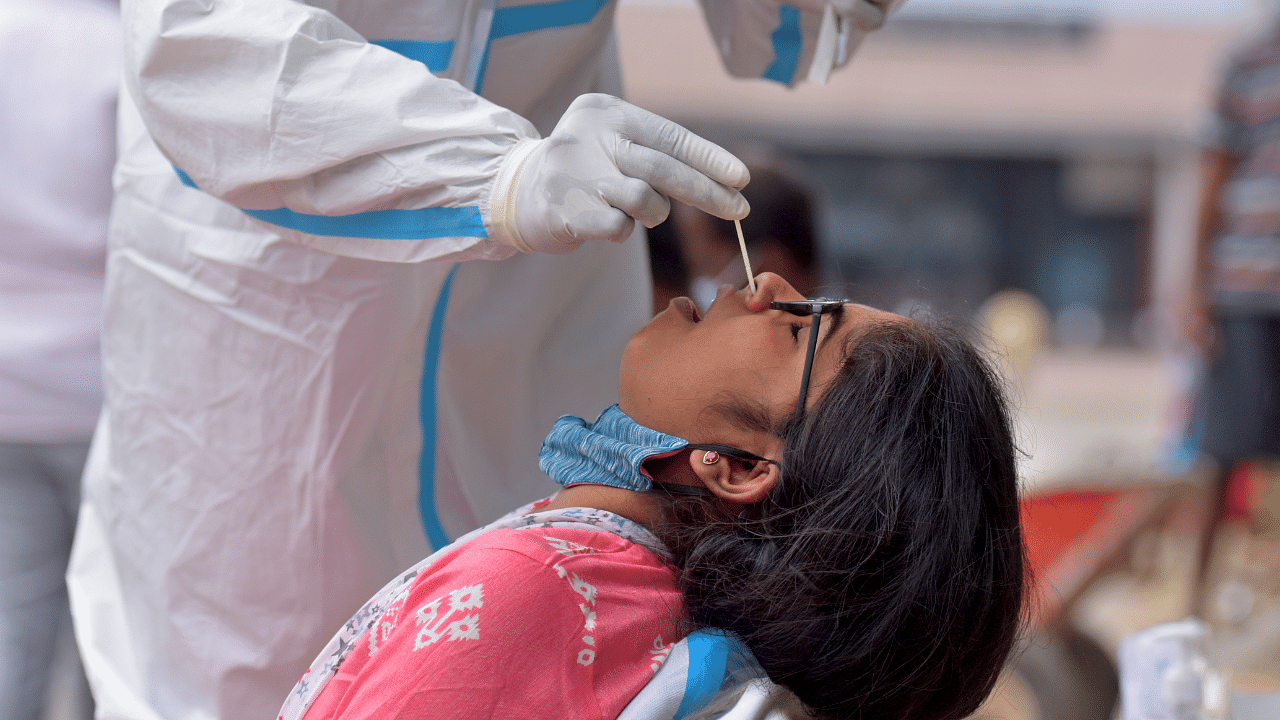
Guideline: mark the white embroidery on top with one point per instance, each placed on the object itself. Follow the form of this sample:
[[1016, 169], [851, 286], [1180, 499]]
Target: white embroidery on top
[[659, 653], [583, 588], [382, 628], [436, 625], [567, 547], [587, 655]]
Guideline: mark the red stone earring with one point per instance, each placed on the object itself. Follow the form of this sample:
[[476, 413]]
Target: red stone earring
[[710, 457]]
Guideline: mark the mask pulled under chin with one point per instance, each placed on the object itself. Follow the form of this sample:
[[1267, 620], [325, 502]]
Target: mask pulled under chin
[[609, 451]]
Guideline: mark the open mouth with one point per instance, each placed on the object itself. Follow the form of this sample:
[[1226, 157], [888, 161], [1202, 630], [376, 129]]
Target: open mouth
[[685, 307]]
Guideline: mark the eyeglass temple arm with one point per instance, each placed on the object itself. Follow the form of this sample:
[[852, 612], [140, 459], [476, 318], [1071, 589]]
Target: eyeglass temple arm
[[808, 362], [731, 451]]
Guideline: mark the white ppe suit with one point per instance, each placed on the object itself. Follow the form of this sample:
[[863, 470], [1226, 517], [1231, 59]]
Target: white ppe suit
[[306, 390]]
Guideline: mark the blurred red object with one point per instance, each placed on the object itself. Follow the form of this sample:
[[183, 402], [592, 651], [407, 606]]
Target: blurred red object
[[1073, 536]]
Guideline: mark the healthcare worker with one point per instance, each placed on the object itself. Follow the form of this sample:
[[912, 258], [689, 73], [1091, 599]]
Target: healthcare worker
[[307, 388]]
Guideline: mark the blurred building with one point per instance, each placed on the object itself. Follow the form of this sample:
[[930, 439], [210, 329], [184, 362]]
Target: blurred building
[[969, 148]]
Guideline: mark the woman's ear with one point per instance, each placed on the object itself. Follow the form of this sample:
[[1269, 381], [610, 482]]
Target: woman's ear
[[734, 480]]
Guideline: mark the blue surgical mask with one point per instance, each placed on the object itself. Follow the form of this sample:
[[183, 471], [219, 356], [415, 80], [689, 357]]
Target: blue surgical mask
[[609, 451]]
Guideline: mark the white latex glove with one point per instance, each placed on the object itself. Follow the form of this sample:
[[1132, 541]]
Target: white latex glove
[[606, 165]]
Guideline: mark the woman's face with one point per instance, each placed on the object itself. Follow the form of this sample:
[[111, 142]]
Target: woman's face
[[680, 365]]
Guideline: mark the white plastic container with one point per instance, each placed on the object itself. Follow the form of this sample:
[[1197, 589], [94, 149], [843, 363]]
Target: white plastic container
[[1166, 674]]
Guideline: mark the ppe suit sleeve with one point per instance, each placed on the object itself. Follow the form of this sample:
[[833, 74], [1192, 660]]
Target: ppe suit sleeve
[[285, 111], [776, 40]]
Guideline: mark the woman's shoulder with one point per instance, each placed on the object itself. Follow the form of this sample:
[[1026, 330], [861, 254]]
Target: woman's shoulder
[[549, 566], [555, 546], [567, 620]]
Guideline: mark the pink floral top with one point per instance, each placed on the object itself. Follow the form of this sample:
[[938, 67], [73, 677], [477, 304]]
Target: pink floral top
[[535, 619]]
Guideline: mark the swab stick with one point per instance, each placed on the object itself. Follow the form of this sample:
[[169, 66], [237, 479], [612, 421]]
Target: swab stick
[[742, 243]]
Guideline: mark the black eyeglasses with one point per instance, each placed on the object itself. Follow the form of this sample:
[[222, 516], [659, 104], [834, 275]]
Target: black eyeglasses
[[816, 308]]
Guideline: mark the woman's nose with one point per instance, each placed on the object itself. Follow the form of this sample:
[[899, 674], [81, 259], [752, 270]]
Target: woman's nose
[[771, 287]]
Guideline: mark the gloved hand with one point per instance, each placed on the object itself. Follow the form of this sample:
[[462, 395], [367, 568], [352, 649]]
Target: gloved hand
[[606, 165], [844, 25], [866, 15]]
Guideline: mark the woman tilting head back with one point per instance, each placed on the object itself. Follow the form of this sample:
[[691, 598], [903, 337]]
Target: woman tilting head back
[[830, 483], [881, 573]]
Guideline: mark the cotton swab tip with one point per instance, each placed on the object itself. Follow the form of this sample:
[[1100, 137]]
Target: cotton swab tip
[[742, 243]]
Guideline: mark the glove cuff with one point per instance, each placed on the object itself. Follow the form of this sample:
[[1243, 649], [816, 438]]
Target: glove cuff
[[502, 200]]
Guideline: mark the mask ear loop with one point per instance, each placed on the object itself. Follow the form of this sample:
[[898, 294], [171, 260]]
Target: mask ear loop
[[691, 491], [732, 452], [729, 451]]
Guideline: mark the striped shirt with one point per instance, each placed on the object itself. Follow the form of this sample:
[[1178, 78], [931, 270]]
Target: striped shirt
[[1245, 257]]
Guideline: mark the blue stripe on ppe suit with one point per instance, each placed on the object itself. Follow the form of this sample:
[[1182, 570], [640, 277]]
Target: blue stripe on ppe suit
[[787, 43], [432, 222], [427, 411], [708, 659], [531, 18], [435, 55]]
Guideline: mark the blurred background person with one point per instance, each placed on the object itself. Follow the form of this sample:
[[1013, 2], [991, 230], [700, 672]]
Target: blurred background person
[[667, 266], [780, 233], [59, 73], [1233, 316]]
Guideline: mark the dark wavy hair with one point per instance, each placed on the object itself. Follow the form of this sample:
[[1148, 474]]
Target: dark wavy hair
[[884, 575]]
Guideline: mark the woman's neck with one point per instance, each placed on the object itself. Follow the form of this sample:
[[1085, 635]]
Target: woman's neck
[[635, 506], [639, 507]]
